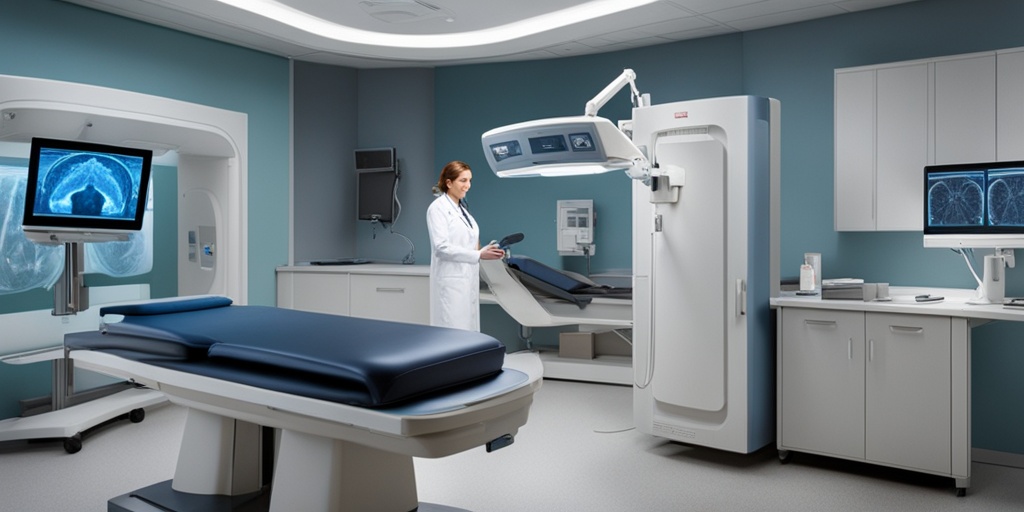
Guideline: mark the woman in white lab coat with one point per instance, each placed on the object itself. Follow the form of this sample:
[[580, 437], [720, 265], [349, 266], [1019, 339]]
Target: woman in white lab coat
[[455, 252]]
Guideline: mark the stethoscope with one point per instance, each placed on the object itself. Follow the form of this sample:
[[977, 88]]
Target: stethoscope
[[463, 208]]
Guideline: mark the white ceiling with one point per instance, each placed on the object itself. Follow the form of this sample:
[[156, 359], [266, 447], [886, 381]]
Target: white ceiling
[[402, 33]]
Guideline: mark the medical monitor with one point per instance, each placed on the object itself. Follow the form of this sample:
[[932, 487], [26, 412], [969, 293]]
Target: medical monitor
[[977, 205], [376, 199], [84, 192]]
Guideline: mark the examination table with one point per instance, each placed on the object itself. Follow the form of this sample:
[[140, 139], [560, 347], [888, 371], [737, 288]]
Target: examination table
[[354, 400]]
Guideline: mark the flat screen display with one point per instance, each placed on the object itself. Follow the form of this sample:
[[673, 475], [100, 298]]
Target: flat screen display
[[975, 205], [547, 144], [81, 186], [376, 195]]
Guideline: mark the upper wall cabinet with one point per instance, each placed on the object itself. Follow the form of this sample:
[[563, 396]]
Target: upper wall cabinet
[[881, 145], [892, 120], [1010, 105], [965, 109]]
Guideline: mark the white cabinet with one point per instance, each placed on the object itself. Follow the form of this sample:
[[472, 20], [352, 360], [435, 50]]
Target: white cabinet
[[389, 297], [892, 120], [965, 109], [855, 151], [907, 385], [320, 292], [881, 145], [821, 377], [1010, 105], [399, 293], [875, 387]]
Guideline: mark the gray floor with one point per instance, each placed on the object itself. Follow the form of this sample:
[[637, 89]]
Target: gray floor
[[577, 453]]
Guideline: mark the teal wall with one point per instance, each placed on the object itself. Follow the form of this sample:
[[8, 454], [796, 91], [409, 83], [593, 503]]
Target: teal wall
[[793, 63], [56, 40]]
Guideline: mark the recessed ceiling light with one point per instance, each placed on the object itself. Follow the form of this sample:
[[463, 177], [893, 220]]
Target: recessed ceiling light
[[274, 10]]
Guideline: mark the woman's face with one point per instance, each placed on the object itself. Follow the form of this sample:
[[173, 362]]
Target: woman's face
[[458, 187]]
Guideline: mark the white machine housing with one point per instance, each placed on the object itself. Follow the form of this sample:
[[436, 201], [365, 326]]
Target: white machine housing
[[704, 269]]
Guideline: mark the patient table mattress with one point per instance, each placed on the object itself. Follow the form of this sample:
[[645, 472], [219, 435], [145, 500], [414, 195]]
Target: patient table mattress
[[354, 361]]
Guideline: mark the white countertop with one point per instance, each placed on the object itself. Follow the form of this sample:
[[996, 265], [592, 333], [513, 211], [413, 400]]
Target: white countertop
[[955, 303], [394, 269]]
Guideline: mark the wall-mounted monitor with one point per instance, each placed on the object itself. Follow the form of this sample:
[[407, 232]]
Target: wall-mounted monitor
[[376, 195], [376, 181], [978, 205], [84, 192]]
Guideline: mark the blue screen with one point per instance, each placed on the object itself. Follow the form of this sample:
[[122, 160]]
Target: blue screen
[[85, 187], [87, 184], [974, 198]]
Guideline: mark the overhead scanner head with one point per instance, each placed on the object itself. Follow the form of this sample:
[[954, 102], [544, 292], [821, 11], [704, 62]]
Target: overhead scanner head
[[568, 146], [561, 146]]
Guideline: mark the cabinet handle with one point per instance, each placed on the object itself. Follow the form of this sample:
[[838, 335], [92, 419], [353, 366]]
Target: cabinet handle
[[849, 349], [871, 350], [826, 323], [741, 297], [906, 329], [390, 290]]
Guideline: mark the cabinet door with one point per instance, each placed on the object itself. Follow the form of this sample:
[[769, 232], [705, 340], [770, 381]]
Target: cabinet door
[[901, 144], [1010, 111], [822, 375], [313, 291], [855, 150], [395, 298], [907, 418], [965, 110]]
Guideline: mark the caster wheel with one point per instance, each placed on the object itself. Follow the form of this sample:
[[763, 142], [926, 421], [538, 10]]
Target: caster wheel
[[137, 415], [784, 456], [961, 492], [73, 444]]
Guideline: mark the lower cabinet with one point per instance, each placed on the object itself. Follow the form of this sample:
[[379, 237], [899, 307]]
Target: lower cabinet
[[365, 292], [876, 387], [395, 298]]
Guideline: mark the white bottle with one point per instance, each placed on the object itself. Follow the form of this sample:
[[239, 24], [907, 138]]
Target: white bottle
[[806, 277]]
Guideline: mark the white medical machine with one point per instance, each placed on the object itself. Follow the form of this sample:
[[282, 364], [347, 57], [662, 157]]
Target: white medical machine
[[211, 145], [576, 227], [705, 250]]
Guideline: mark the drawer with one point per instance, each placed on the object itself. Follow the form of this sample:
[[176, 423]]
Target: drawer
[[388, 297]]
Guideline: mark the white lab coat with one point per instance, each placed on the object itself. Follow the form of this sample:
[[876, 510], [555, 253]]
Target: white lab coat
[[454, 266]]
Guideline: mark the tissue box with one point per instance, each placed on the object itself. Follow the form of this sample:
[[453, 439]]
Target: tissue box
[[578, 345]]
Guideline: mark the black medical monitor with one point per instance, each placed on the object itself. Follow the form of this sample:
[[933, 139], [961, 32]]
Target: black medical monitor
[[976, 205], [376, 195], [84, 192]]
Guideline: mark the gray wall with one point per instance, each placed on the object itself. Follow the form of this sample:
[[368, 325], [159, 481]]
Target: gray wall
[[338, 110], [325, 127]]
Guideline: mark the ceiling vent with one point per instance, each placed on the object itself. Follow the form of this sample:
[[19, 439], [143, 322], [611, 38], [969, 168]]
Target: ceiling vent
[[404, 11]]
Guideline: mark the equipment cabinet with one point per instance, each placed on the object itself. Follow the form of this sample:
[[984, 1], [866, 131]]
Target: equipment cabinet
[[883, 388]]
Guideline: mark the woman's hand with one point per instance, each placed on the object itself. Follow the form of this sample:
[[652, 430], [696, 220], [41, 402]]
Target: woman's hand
[[492, 252]]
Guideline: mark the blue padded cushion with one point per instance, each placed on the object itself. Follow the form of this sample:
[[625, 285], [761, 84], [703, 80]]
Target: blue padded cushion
[[283, 349], [549, 275], [164, 307]]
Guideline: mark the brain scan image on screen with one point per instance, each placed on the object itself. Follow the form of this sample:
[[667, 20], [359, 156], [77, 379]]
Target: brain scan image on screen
[[88, 184], [1006, 197], [956, 199]]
